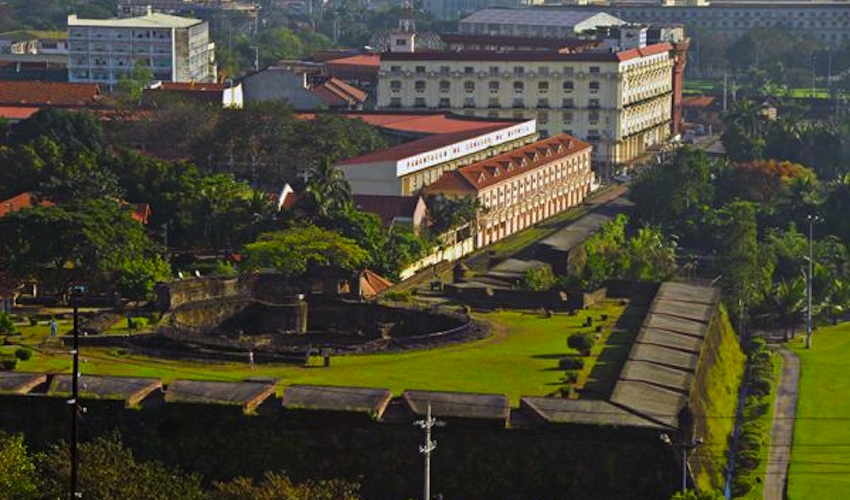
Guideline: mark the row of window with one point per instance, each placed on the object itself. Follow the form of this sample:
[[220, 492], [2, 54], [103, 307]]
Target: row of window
[[493, 102], [496, 70], [469, 86], [122, 34]]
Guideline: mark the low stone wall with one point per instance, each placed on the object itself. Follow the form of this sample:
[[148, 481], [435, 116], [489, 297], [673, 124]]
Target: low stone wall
[[179, 292]]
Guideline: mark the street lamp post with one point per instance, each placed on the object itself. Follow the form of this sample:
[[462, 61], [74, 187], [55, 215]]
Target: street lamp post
[[685, 448], [809, 279]]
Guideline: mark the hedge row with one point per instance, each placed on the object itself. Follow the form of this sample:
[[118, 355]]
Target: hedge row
[[754, 430]]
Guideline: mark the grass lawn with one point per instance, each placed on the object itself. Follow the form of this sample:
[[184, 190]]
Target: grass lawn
[[519, 359], [820, 458]]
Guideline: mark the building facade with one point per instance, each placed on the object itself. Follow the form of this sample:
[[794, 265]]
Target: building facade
[[176, 49], [522, 187], [405, 169], [621, 102]]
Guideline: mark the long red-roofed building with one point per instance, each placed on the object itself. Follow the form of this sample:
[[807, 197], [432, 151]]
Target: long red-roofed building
[[48, 94], [523, 186]]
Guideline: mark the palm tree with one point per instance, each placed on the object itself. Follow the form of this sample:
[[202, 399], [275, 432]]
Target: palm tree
[[328, 191], [838, 302], [789, 300]]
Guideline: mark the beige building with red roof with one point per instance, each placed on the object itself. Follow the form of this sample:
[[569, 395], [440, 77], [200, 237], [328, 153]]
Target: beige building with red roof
[[523, 186], [616, 93]]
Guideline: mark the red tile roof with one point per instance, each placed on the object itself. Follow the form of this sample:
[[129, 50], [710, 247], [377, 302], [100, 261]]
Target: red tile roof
[[371, 60], [193, 86], [17, 112], [336, 92], [475, 177], [524, 55], [60, 94], [372, 284], [423, 145], [420, 123], [20, 202], [386, 207], [700, 101]]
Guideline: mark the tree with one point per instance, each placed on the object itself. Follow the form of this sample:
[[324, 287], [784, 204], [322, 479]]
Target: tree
[[745, 127], [538, 279], [278, 486], [131, 85], [18, 475], [788, 298], [137, 278], [60, 244], [109, 471], [450, 213], [74, 131], [327, 190], [295, 251], [652, 256]]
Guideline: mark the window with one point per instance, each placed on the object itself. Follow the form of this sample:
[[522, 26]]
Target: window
[[420, 70], [445, 86], [395, 69], [543, 103], [594, 70], [568, 71], [543, 70], [593, 103], [468, 102], [569, 86], [519, 70], [444, 70], [395, 85], [419, 85], [494, 87], [469, 87], [419, 102], [468, 70], [542, 118], [519, 86], [593, 117], [567, 103], [567, 116], [494, 71], [518, 103], [444, 102], [543, 87], [400, 41], [493, 102], [594, 87], [395, 102], [593, 134]]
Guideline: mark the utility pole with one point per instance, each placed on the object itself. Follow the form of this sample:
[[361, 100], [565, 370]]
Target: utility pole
[[256, 57], [427, 448], [75, 407], [809, 278]]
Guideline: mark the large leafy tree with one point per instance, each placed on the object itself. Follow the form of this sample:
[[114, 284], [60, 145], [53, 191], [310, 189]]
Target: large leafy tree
[[60, 244], [109, 471], [295, 251], [19, 478], [278, 486], [75, 131]]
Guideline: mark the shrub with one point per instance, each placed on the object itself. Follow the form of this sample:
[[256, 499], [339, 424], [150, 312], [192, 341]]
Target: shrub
[[571, 363], [7, 326], [760, 387], [8, 363], [538, 279], [570, 377], [397, 296], [755, 407], [747, 459], [140, 321], [23, 353], [33, 320], [582, 342], [741, 485]]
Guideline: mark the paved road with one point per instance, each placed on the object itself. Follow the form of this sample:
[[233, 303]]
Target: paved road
[[782, 430]]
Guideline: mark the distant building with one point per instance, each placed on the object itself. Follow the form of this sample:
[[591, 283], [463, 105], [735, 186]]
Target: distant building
[[536, 23], [449, 10], [34, 42], [176, 49], [218, 94], [301, 90]]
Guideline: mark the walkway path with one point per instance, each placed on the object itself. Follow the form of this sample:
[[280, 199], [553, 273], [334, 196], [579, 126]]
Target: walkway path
[[782, 430]]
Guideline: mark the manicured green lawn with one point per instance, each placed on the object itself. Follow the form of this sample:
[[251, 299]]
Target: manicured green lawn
[[820, 459], [520, 358]]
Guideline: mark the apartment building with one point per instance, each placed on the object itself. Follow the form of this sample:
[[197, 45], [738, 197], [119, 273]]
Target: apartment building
[[176, 49], [618, 98], [523, 186]]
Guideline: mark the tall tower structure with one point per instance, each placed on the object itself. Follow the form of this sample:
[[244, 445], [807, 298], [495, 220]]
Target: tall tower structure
[[403, 39]]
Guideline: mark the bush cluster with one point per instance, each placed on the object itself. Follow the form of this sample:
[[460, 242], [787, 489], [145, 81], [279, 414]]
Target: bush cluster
[[753, 431], [23, 353], [8, 363], [571, 363], [582, 342], [7, 326]]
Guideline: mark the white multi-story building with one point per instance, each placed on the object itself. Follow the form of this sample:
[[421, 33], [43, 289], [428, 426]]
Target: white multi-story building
[[176, 49], [621, 101]]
